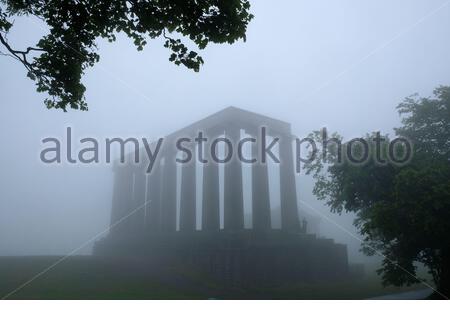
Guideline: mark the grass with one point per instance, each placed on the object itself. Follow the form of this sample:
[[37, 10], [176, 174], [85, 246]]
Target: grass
[[85, 277]]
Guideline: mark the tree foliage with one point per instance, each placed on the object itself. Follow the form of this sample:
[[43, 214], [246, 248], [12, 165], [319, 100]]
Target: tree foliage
[[403, 212], [57, 62]]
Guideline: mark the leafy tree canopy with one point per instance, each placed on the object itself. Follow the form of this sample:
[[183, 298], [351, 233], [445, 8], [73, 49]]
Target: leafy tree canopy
[[403, 211], [57, 62]]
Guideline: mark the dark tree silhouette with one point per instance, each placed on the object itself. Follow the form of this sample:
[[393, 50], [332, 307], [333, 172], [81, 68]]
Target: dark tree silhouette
[[403, 211], [57, 62]]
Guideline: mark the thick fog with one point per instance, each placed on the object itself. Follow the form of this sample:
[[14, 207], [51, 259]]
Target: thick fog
[[343, 65]]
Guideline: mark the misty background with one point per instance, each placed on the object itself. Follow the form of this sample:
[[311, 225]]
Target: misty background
[[344, 65]]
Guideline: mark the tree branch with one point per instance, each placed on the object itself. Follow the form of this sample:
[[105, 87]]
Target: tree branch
[[22, 57]]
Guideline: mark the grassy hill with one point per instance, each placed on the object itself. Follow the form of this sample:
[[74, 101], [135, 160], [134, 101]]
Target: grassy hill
[[86, 277]]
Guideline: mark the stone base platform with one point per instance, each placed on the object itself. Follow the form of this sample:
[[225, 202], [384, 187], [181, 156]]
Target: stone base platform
[[237, 259]]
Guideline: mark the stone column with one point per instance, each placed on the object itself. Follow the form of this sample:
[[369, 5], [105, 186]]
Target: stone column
[[169, 189], [137, 218], [123, 199], [260, 188], [233, 194], [119, 198], [154, 186], [211, 188], [188, 193], [288, 192]]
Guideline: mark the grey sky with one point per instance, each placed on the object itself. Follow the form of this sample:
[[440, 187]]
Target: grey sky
[[293, 48]]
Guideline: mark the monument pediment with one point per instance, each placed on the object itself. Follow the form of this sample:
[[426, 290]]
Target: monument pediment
[[233, 116]]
